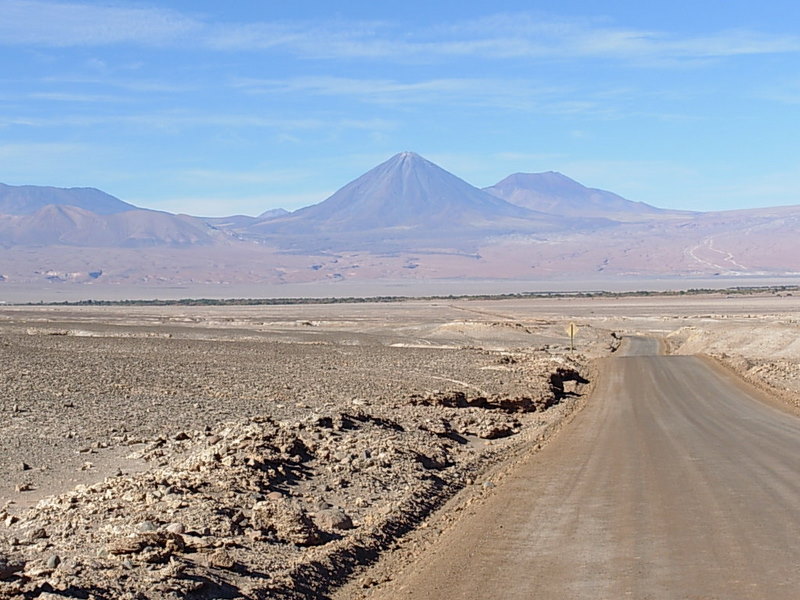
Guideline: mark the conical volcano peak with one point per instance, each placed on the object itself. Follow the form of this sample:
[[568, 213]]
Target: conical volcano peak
[[408, 160], [408, 155], [406, 191]]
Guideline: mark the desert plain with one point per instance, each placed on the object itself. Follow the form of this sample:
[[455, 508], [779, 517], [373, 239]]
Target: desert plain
[[308, 451]]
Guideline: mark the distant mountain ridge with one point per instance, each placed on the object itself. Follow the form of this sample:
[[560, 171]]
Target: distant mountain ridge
[[28, 199], [406, 197], [405, 202], [73, 226], [49, 216], [406, 218], [406, 191], [554, 193]]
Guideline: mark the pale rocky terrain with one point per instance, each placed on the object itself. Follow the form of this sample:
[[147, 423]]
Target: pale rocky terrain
[[255, 452], [762, 348], [213, 452]]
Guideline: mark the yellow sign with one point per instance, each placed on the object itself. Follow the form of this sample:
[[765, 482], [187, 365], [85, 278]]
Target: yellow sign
[[572, 331]]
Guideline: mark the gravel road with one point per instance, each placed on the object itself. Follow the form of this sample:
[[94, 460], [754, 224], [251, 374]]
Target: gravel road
[[674, 482]]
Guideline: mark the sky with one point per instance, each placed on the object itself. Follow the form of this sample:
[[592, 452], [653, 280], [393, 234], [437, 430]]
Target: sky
[[218, 108]]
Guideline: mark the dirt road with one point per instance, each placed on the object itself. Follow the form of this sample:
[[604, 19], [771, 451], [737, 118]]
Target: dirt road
[[673, 483]]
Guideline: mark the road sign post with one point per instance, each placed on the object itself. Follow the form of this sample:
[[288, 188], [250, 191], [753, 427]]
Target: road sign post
[[572, 331]]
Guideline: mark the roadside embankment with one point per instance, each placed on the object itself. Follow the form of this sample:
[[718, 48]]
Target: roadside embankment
[[766, 352]]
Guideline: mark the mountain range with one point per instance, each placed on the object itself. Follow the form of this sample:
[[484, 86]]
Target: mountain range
[[405, 218], [554, 193], [28, 199]]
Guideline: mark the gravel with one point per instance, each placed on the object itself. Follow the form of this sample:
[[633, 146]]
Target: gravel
[[165, 464]]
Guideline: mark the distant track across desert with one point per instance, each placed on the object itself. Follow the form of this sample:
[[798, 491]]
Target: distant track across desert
[[674, 482]]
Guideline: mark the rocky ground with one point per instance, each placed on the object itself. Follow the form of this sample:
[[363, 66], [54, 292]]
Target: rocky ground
[[256, 452]]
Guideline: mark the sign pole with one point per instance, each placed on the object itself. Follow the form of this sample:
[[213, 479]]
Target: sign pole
[[572, 330]]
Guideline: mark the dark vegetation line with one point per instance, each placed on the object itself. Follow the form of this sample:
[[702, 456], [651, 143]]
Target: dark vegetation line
[[738, 290]]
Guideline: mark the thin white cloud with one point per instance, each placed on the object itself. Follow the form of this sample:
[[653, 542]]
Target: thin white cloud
[[75, 98], [524, 95], [179, 120], [498, 93], [535, 35], [226, 177], [523, 35], [510, 36], [23, 151], [54, 24], [146, 86]]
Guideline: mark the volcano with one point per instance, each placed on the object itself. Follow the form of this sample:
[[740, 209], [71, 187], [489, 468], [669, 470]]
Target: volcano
[[556, 194]]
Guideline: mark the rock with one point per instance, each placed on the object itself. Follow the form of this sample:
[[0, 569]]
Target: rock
[[146, 526], [178, 528], [152, 555], [23, 466], [9, 567], [289, 522], [126, 546], [158, 544], [221, 559], [333, 519], [493, 431], [455, 399], [517, 404], [436, 426], [53, 561], [37, 534], [24, 487]]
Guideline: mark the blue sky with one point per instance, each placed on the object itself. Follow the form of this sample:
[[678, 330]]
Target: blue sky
[[216, 108]]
